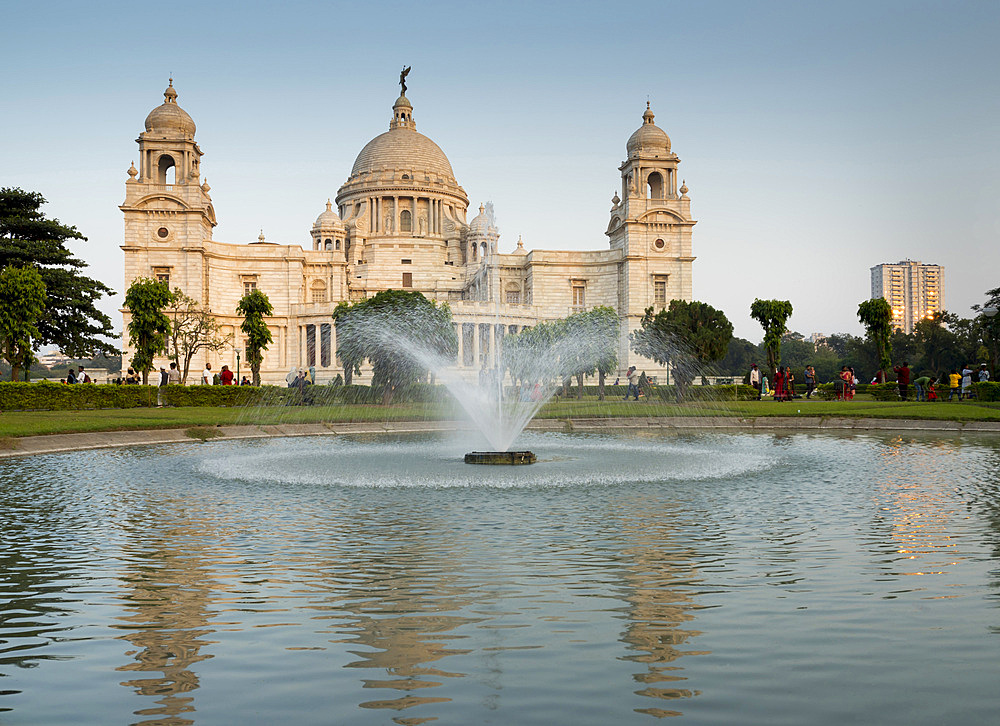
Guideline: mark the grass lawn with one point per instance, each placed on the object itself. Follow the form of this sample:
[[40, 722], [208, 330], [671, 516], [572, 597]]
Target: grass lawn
[[32, 423]]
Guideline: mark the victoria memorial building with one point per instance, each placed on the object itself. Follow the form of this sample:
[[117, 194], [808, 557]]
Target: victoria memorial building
[[401, 220]]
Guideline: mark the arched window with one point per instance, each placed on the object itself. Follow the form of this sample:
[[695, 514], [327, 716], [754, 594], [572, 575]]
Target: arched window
[[475, 249], [405, 221], [655, 181], [337, 244], [318, 291], [327, 244], [483, 248], [166, 169]]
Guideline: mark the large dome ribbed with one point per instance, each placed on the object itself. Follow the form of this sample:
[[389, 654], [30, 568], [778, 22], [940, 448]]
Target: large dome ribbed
[[169, 118], [403, 148]]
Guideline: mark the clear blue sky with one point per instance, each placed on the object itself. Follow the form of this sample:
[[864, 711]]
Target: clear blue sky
[[818, 139]]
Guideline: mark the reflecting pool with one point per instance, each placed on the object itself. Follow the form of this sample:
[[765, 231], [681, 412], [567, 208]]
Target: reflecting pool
[[720, 579]]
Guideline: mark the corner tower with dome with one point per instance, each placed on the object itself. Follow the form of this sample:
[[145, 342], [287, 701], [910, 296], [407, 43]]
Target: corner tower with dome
[[399, 221]]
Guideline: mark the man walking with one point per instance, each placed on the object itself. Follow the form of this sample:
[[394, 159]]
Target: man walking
[[206, 375], [810, 381], [633, 383]]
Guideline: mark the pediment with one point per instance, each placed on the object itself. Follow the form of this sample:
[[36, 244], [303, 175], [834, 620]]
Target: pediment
[[161, 201], [660, 216]]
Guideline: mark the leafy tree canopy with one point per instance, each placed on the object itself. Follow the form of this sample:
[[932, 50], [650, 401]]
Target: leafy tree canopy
[[402, 334], [71, 319], [773, 317], [148, 326], [876, 316], [22, 303], [254, 307]]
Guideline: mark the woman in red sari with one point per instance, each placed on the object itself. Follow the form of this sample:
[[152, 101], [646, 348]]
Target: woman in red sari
[[848, 379], [779, 384]]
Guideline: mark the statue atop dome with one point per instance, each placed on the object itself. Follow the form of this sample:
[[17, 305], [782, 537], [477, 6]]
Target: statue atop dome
[[402, 79]]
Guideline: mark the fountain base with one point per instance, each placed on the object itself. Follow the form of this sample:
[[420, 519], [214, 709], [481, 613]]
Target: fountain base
[[500, 457]]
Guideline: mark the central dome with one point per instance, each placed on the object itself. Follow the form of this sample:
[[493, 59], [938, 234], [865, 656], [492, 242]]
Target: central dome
[[403, 148]]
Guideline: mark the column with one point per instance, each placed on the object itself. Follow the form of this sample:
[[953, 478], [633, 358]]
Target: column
[[475, 345]]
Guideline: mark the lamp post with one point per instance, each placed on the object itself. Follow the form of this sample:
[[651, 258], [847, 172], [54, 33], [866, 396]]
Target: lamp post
[[238, 379], [990, 312]]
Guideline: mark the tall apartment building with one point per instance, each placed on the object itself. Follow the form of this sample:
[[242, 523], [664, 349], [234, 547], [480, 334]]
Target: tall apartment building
[[914, 291]]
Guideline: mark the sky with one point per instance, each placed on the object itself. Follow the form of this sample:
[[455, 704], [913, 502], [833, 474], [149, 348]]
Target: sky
[[817, 139]]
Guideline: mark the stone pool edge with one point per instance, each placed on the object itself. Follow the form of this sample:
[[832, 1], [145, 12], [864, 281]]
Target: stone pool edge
[[56, 443]]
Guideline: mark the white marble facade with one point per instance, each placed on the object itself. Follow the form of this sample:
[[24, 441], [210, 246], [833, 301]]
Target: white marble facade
[[399, 222]]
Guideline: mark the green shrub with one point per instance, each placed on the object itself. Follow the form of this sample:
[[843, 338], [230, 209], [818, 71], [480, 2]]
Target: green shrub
[[988, 391], [47, 396], [889, 391]]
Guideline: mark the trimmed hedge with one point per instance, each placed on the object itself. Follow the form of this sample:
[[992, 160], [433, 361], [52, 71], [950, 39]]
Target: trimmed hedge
[[48, 396], [988, 391]]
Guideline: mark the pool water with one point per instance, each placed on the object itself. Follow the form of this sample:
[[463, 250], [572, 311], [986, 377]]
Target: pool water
[[719, 579]]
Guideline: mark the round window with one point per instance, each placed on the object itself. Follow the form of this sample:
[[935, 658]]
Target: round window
[[658, 244], [162, 232]]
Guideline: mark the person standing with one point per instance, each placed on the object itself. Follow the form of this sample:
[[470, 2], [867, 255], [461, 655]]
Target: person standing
[[984, 373], [226, 376], [71, 376], [903, 379], [966, 382], [779, 384], [755, 378], [954, 381], [810, 374], [173, 375], [844, 384], [206, 375], [164, 378]]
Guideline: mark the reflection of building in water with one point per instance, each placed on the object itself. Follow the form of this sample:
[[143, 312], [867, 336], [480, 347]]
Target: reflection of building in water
[[399, 606], [654, 570], [167, 599]]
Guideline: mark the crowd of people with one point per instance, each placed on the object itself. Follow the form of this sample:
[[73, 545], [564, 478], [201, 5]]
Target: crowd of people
[[846, 383]]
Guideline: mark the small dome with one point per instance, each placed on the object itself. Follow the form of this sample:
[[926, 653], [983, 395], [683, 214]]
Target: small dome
[[648, 138], [169, 118], [328, 219], [402, 102], [480, 224]]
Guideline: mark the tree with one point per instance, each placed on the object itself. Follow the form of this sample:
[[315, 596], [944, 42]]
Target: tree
[[876, 316], [772, 316], [71, 319], [148, 326], [192, 328], [590, 345], [22, 303], [988, 329], [254, 306], [687, 335], [403, 335], [937, 344]]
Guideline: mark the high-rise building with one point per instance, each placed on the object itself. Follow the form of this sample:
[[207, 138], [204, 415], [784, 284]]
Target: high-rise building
[[914, 291]]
